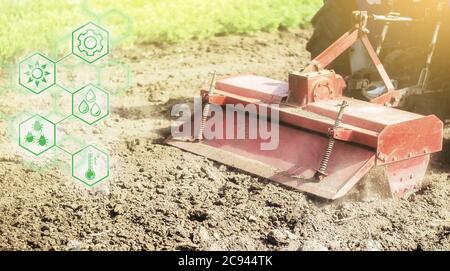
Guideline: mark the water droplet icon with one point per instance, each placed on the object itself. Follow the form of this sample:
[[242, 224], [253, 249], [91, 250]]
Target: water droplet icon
[[95, 110], [83, 107], [90, 96]]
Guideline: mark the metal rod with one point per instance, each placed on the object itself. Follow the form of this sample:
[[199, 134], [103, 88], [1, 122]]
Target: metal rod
[[381, 41], [383, 37], [424, 78]]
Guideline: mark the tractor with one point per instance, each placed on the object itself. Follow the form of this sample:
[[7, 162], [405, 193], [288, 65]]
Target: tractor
[[412, 38]]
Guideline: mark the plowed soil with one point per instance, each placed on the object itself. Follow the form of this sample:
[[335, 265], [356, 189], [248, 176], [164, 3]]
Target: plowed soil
[[161, 198]]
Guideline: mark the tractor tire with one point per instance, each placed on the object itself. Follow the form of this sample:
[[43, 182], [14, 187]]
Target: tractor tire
[[330, 23]]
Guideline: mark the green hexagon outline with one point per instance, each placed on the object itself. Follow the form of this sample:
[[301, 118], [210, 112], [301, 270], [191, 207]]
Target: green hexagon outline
[[73, 168], [54, 135], [107, 42], [52, 110], [129, 24], [107, 102], [121, 90], [69, 89], [54, 72]]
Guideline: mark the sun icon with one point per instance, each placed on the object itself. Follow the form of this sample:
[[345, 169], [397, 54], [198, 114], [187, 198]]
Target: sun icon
[[37, 73]]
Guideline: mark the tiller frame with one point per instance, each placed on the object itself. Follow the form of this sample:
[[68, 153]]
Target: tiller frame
[[327, 142]]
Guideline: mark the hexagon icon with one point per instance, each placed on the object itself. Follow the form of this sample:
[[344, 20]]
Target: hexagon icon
[[90, 42], [90, 165], [90, 104], [37, 134], [114, 76], [37, 73]]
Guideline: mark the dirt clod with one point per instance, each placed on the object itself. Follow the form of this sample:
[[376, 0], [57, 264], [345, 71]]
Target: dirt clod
[[280, 237], [201, 235], [313, 246]]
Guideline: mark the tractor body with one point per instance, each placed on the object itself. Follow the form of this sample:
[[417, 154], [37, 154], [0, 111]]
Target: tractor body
[[411, 39]]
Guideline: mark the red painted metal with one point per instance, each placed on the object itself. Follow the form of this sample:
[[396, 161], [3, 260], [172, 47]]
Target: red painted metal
[[368, 123], [406, 176], [334, 50], [342, 134], [264, 89], [376, 61], [403, 141], [293, 163], [370, 135], [324, 59], [305, 88]]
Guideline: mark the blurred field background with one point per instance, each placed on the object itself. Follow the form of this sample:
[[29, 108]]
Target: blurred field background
[[30, 25]]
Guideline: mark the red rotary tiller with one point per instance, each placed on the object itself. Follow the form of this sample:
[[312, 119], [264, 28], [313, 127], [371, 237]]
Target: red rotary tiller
[[327, 142]]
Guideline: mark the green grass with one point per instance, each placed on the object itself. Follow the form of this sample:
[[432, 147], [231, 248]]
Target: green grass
[[29, 25]]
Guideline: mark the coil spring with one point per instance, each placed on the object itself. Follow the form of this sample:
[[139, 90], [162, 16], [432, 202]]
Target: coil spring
[[326, 156], [206, 108], [338, 122], [203, 123]]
